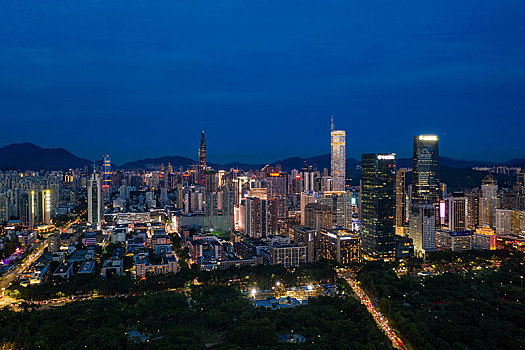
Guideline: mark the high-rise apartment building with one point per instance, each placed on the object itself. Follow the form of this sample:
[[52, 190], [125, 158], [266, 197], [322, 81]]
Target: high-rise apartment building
[[46, 207], [338, 159], [377, 206]]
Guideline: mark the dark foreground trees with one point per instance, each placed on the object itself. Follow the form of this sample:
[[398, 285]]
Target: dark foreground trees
[[219, 317]]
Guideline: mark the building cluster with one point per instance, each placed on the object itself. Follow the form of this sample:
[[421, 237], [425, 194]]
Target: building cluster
[[241, 217], [34, 198], [148, 244]]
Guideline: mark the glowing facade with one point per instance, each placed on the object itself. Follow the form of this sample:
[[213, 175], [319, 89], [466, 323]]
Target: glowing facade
[[106, 182], [489, 201], [425, 181], [338, 159], [46, 206]]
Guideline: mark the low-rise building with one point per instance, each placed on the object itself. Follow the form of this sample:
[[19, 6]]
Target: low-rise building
[[64, 270], [87, 267], [112, 267], [288, 255]]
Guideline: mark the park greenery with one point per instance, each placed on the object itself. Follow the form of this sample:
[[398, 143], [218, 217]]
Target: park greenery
[[475, 300], [246, 278], [217, 317]]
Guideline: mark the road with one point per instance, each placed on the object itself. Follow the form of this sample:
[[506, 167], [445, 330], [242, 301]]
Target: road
[[9, 277], [381, 320], [19, 268]]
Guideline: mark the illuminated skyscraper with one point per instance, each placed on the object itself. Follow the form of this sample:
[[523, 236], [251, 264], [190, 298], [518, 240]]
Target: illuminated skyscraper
[[378, 206], [400, 201], [425, 174], [202, 160], [46, 206], [423, 228], [106, 164], [489, 201], [425, 193], [338, 159], [33, 207], [95, 204]]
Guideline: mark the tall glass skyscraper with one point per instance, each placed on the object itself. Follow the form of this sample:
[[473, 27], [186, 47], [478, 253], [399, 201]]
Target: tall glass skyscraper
[[338, 160], [489, 201], [378, 206], [425, 194], [425, 172]]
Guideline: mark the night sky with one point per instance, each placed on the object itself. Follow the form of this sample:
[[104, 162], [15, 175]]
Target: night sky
[[142, 78]]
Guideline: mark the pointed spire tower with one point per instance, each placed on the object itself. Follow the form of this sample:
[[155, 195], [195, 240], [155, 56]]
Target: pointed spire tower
[[202, 159]]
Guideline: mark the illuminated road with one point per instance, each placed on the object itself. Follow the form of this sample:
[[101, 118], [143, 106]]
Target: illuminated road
[[18, 269], [381, 321], [9, 277]]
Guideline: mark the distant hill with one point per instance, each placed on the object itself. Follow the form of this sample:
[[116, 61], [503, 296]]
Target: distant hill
[[27, 156], [153, 163]]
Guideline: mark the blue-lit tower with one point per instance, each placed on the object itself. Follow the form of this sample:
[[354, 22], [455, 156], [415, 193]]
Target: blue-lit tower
[[106, 171]]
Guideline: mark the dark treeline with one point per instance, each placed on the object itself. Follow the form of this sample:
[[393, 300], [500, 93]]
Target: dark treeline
[[474, 308], [219, 317]]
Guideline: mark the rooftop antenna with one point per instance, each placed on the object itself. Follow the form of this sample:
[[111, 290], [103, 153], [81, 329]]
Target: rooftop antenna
[[332, 123]]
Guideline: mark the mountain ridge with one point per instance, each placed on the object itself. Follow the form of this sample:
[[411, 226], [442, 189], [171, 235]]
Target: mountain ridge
[[28, 156]]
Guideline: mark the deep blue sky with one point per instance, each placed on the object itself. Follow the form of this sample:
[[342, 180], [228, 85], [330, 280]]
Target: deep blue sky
[[142, 78]]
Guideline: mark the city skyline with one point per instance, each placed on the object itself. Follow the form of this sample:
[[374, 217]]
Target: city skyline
[[257, 73]]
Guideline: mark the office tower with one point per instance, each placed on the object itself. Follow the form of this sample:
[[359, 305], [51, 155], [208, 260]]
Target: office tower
[[489, 201], [425, 172], [277, 184], [95, 204], [400, 201], [377, 206], [472, 210], [423, 228], [425, 193], [202, 159], [46, 207], [106, 172], [342, 246], [338, 159], [458, 212]]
